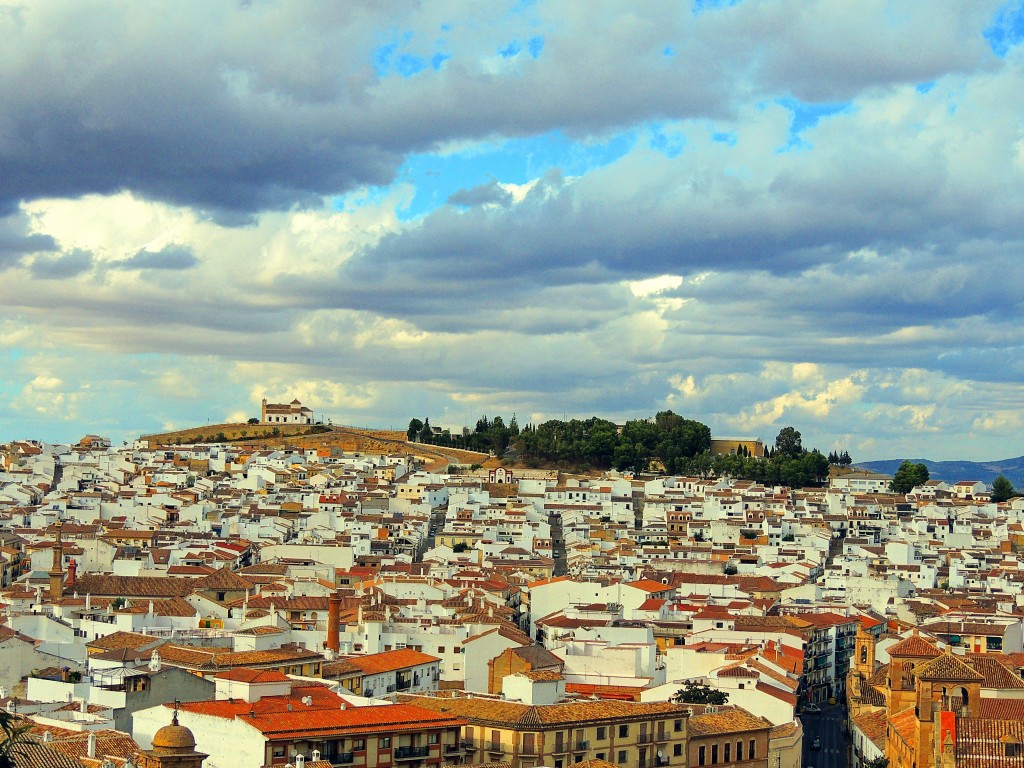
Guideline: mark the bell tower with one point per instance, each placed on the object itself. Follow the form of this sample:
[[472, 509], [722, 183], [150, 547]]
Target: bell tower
[[864, 653]]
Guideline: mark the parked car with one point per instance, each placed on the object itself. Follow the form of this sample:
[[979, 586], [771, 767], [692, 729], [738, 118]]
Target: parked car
[[812, 708]]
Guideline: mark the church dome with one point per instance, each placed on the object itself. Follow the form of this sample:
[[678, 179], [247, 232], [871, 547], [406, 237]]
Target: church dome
[[173, 737]]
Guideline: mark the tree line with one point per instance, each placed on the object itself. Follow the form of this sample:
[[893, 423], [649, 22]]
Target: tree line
[[667, 443]]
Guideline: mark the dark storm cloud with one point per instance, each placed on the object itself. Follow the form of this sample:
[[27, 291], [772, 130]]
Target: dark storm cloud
[[61, 267], [171, 257], [14, 245], [271, 105]]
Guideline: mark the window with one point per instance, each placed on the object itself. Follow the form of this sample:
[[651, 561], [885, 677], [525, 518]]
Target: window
[[623, 731], [384, 743], [677, 750], [278, 751], [622, 756], [752, 751], [600, 755], [432, 738], [678, 726], [701, 755], [602, 733], [1011, 749], [440, 649], [358, 745], [529, 741], [739, 751], [728, 752], [714, 754], [558, 764]]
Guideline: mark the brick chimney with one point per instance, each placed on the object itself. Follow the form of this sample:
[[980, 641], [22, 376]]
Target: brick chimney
[[333, 622]]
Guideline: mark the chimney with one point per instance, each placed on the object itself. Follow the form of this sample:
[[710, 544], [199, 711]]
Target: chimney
[[72, 572], [91, 748], [56, 573], [83, 706], [300, 761], [334, 622]]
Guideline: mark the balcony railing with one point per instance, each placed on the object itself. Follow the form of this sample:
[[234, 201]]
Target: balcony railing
[[407, 753], [342, 758]]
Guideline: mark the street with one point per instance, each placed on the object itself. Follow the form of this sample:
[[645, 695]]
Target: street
[[827, 725]]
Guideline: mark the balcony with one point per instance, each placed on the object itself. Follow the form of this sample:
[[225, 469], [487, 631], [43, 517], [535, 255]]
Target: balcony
[[644, 738], [410, 753], [342, 758], [581, 746]]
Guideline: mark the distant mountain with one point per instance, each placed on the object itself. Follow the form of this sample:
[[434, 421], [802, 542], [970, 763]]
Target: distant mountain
[[952, 471]]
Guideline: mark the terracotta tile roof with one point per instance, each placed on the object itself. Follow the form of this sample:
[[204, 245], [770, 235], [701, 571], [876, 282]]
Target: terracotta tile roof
[[119, 640], [618, 692], [784, 731], [873, 725], [478, 709], [995, 672], [543, 674], [35, 754], [914, 646], [726, 720], [982, 743], [1002, 709], [649, 585], [109, 743], [324, 718], [390, 661], [134, 586], [947, 667], [254, 676], [224, 579]]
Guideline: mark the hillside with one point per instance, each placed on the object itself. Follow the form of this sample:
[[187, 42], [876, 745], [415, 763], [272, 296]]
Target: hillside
[[379, 441], [952, 471]]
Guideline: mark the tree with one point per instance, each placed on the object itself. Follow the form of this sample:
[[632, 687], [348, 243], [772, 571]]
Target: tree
[[788, 442], [877, 762], [1002, 489], [11, 735], [426, 433], [415, 425], [730, 569], [698, 693], [253, 420], [908, 477]]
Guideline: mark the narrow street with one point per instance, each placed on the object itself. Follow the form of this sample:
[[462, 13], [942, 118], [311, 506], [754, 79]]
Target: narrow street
[[829, 727]]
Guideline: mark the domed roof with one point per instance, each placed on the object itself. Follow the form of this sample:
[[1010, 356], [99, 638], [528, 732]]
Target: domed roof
[[174, 737]]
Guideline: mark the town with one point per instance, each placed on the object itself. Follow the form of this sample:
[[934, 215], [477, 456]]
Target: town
[[236, 605]]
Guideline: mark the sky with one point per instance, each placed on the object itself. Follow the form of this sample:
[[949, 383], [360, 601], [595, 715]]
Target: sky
[[757, 214]]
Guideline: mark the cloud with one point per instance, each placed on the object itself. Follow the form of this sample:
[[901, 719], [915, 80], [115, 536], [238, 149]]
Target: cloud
[[484, 194], [66, 265], [170, 257], [754, 214]]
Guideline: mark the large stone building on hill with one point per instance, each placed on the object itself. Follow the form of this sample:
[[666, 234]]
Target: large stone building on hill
[[285, 413]]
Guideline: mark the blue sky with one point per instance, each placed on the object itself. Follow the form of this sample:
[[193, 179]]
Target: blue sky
[[758, 214]]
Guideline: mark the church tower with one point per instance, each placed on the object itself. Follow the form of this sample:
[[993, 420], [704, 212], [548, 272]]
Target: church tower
[[864, 653]]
